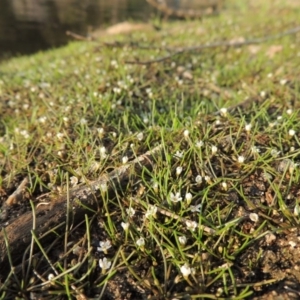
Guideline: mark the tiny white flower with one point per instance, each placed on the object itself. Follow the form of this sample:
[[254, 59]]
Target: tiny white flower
[[283, 81], [253, 217], [104, 246], [185, 270], [51, 276], [198, 179], [130, 211], [175, 197], [274, 152], [83, 121], [182, 240], [67, 108], [188, 198], [224, 186], [272, 124], [241, 159], [292, 244], [73, 180], [104, 263], [103, 152], [179, 154], [192, 225], [151, 211], [43, 119], [199, 144], [186, 133], [292, 132], [248, 127], [218, 122], [140, 242], [155, 187], [124, 159], [270, 238], [214, 149], [289, 111], [207, 179], [140, 136], [255, 150], [60, 153], [178, 170], [114, 64], [223, 111], [296, 210], [125, 226], [196, 208], [24, 133], [60, 136], [103, 187], [100, 131]]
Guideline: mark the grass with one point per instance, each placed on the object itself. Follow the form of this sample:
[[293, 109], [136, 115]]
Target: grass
[[72, 114]]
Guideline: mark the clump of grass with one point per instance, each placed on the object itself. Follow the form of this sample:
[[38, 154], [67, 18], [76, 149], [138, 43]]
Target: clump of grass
[[221, 200]]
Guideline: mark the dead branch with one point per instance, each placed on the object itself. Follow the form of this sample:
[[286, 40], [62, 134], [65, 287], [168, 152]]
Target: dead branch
[[84, 199], [218, 45], [18, 194], [79, 37]]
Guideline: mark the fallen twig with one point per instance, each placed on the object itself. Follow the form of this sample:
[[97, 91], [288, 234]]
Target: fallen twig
[[79, 37], [217, 45], [17, 195]]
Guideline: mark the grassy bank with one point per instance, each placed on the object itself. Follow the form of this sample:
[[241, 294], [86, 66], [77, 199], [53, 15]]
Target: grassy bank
[[172, 180]]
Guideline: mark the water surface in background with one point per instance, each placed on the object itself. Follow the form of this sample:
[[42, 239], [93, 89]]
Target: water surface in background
[[30, 25]]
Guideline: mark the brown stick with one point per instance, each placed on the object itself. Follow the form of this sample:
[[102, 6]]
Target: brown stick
[[17, 195], [217, 45], [78, 37]]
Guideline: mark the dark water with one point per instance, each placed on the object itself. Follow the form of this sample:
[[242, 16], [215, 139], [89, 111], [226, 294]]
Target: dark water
[[30, 25]]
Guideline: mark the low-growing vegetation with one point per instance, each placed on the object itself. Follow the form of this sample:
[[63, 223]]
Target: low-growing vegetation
[[177, 179]]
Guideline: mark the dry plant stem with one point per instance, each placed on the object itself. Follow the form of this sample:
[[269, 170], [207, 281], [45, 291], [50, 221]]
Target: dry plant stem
[[219, 44], [79, 37], [174, 216], [17, 195]]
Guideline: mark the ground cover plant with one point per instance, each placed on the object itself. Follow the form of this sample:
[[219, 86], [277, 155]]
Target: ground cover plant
[[171, 180]]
